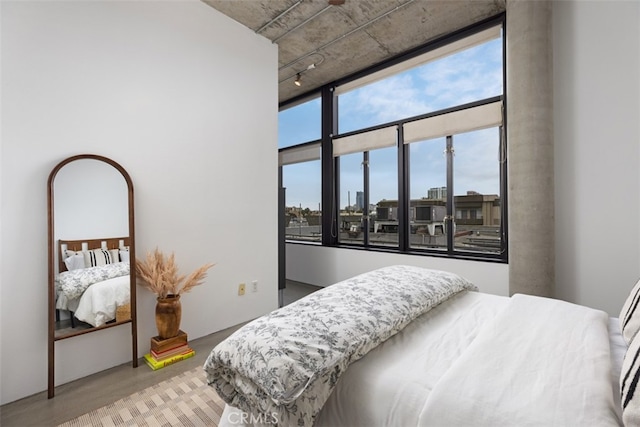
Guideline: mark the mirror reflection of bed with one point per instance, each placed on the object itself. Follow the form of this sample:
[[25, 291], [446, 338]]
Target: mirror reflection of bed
[[92, 287], [91, 251]]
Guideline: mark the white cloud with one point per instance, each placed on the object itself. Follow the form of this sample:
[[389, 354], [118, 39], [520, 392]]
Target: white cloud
[[464, 77]]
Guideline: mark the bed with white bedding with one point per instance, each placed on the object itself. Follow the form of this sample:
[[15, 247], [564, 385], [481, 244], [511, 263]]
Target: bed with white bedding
[[99, 302], [93, 282], [467, 359]]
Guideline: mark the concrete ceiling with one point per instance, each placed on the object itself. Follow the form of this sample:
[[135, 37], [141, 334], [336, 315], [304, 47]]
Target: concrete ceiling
[[325, 42]]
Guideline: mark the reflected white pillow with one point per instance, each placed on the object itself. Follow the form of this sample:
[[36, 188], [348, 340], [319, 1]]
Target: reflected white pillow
[[630, 314], [74, 262], [96, 257], [124, 255], [66, 254]]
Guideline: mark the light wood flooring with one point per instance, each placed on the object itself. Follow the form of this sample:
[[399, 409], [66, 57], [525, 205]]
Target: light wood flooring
[[92, 392]]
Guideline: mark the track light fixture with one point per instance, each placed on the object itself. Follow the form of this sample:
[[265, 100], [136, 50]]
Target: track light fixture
[[298, 75]]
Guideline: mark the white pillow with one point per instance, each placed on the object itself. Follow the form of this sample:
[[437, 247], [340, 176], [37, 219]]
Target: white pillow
[[69, 253], [630, 314], [74, 262], [124, 255], [629, 387], [96, 257]]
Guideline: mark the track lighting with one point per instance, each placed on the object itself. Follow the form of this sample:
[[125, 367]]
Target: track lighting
[[298, 80]]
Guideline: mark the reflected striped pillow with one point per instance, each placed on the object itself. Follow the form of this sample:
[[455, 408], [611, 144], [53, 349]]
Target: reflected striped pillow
[[629, 390], [96, 257], [630, 314]]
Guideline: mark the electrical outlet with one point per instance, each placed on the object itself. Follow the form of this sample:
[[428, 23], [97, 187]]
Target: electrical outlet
[[241, 289], [254, 286]]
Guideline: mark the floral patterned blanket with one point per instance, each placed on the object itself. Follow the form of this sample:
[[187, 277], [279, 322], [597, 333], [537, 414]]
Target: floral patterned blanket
[[284, 365], [74, 283]]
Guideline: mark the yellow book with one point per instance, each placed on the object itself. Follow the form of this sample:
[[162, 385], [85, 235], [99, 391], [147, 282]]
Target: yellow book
[[155, 365]]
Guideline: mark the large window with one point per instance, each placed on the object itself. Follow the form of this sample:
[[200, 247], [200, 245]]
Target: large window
[[415, 163]]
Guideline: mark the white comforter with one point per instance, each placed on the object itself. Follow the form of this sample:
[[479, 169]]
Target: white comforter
[[390, 385], [480, 359], [93, 294], [73, 283], [540, 362], [99, 302]]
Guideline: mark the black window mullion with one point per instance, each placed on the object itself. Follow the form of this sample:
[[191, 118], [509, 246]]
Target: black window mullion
[[330, 209], [365, 208], [449, 222], [503, 194], [403, 193]]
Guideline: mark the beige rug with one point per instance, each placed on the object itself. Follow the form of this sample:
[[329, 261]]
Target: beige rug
[[184, 400]]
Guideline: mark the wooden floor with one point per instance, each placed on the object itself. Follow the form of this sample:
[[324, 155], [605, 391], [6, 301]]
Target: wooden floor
[[89, 393]]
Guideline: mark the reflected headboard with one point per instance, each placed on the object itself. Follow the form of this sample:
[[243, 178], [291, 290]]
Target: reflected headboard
[[76, 245]]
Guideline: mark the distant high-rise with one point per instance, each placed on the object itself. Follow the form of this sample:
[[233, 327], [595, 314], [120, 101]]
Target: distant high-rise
[[437, 193], [360, 199]]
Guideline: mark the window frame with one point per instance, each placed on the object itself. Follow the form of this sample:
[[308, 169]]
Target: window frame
[[330, 164]]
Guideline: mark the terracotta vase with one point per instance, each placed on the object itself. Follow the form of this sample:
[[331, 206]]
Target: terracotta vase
[[168, 314]]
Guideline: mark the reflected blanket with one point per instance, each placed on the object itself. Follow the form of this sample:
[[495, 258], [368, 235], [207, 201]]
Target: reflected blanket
[[74, 283]]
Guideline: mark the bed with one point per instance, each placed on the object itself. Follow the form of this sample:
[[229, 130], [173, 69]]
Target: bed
[[93, 285], [409, 346]]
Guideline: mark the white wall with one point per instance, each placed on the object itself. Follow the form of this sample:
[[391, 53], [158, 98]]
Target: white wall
[[597, 138], [185, 100], [323, 266]]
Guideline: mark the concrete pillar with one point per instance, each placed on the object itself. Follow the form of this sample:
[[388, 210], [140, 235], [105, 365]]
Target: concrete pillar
[[530, 147]]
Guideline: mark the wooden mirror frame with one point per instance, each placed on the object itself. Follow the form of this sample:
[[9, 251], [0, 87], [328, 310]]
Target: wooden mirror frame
[[53, 262]]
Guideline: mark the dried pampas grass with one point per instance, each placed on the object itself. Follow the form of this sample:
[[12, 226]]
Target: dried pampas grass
[[160, 275]]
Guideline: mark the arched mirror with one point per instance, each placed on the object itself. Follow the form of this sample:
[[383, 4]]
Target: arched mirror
[[91, 241]]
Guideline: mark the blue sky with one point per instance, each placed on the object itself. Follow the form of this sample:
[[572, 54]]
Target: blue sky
[[457, 79]]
